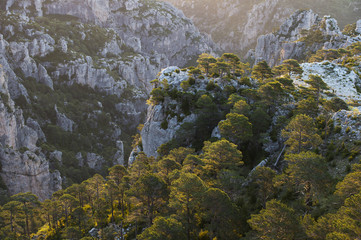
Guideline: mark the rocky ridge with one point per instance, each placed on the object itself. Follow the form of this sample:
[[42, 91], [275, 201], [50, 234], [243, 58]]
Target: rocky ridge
[[236, 24], [300, 35]]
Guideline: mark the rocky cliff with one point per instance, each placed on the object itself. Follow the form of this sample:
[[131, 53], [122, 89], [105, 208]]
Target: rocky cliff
[[74, 79], [236, 24], [23, 167], [300, 35], [154, 132], [178, 118]]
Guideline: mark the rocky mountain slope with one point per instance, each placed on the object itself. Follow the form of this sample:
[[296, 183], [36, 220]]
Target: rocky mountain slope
[[166, 122], [317, 42], [236, 24], [75, 76], [301, 35], [227, 150]]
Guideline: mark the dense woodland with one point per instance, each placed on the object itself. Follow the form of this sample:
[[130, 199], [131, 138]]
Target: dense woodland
[[206, 188]]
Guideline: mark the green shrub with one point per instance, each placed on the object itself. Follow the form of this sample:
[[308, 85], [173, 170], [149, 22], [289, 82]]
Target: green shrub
[[245, 81], [330, 156], [338, 129], [191, 80], [157, 96], [164, 124], [185, 85], [348, 129], [350, 30], [211, 86]]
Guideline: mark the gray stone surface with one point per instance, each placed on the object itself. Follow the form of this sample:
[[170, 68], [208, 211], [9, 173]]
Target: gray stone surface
[[56, 155], [95, 161], [118, 158], [287, 42], [36, 127], [27, 172], [63, 121], [27, 138], [44, 77], [358, 26]]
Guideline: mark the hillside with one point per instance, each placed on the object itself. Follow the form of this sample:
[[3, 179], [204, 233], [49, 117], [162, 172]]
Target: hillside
[[121, 120], [229, 152]]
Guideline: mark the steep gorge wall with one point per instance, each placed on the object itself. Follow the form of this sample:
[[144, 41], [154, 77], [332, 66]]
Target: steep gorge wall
[[99, 44], [22, 170]]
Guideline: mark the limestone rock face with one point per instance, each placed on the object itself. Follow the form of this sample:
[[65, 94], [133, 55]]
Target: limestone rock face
[[94, 161], [118, 158], [290, 41], [100, 44], [340, 80], [27, 137], [89, 10], [36, 127], [348, 121], [8, 126], [358, 26], [44, 77], [166, 32], [56, 155], [63, 121], [160, 126], [24, 172], [273, 47], [153, 135]]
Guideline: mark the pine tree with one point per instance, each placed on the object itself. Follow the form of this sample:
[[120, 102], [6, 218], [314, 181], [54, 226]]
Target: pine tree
[[262, 71], [301, 134], [186, 197], [317, 85], [276, 221], [205, 62], [236, 128]]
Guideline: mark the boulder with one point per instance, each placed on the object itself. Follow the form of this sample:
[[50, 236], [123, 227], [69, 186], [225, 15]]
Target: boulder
[[63, 121], [95, 161]]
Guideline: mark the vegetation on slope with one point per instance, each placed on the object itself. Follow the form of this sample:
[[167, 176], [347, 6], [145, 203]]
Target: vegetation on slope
[[207, 188]]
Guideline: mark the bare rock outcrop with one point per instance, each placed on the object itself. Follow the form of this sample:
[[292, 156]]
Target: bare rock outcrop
[[303, 33], [166, 118], [23, 167], [63, 121], [118, 158], [154, 135], [94, 161], [27, 172]]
